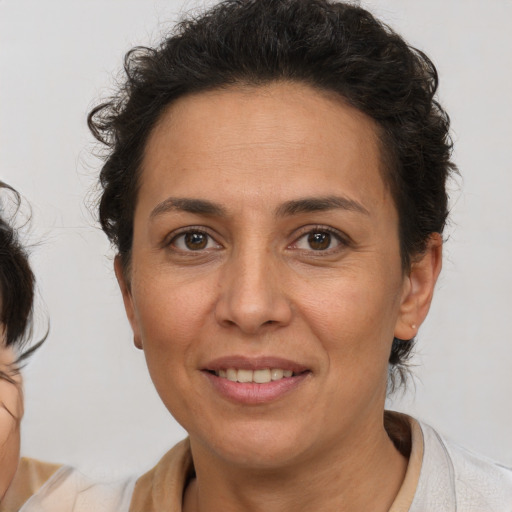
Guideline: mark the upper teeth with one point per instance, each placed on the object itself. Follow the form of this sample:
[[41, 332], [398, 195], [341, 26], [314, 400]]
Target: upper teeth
[[258, 376]]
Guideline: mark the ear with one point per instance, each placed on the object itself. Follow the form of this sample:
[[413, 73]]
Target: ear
[[124, 285], [419, 289]]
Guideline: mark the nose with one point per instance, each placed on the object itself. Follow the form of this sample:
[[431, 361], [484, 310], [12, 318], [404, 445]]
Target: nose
[[252, 294]]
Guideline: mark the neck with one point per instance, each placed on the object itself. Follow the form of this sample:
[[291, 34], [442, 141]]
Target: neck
[[363, 474]]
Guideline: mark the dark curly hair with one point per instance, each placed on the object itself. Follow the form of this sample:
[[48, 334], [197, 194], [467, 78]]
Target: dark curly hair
[[330, 46], [17, 284], [16, 281]]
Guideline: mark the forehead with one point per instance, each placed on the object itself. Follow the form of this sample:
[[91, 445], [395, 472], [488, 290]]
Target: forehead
[[275, 140]]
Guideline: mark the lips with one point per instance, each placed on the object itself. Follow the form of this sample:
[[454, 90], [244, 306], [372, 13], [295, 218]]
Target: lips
[[254, 380]]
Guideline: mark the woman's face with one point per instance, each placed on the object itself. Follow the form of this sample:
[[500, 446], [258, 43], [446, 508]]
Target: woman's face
[[266, 242]]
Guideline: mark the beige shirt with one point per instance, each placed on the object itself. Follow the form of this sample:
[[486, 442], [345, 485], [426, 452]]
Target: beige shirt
[[43, 487], [30, 477]]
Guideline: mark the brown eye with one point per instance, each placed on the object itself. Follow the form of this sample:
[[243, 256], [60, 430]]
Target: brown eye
[[319, 241], [195, 241]]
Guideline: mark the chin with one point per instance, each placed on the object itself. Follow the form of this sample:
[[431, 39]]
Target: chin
[[258, 445]]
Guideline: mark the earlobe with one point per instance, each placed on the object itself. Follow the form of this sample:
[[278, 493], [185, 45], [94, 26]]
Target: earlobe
[[419, 289], [124, 286]]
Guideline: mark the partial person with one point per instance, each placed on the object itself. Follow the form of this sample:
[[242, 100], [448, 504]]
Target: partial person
[[16, 294], [25, 483], [16, 304]]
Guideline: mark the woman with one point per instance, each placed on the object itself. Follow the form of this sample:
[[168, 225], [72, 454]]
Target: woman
[[275, 187]]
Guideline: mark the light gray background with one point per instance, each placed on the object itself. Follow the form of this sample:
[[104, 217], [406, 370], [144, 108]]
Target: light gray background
[[89, 401]]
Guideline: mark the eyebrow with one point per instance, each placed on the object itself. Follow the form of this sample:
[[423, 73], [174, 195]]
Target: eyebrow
[[318, 204], [289, 208], [198, 206]]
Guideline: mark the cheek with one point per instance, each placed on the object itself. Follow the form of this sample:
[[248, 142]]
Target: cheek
[[170, 313], [353, 316], [173, 317]]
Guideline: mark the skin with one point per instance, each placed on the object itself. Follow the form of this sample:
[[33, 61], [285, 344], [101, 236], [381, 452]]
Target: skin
[[11, 412], [258, 288]]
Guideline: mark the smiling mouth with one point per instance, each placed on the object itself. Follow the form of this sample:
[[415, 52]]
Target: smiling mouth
[[255, 381], [262, 376]]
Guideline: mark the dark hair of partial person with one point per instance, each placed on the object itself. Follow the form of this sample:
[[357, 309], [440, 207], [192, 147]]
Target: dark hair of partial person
[[330, 46], [16, 289]]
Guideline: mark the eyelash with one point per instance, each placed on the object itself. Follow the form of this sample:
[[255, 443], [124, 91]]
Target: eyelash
[[189, 230], [342, 240]]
